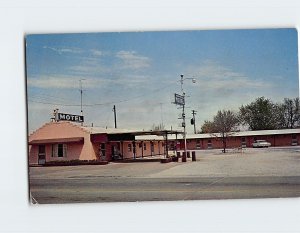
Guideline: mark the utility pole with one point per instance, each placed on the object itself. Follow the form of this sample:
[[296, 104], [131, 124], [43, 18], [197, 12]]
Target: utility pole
[[180, 100], [193, 121], [183, 108], [183, 115], [115, 116]]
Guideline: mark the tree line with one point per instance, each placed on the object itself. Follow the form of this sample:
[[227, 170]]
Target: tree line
[[261, 114]]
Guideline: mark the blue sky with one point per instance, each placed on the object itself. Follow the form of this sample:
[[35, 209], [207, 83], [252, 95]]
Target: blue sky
[[139, 72]]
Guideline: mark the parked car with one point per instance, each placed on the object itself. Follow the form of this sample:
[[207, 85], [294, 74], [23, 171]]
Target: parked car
[[260, 143]]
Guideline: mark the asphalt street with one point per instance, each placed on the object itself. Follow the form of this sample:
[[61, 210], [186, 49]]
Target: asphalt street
[[255, 173]]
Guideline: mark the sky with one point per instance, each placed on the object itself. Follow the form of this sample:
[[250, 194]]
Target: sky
[[139, 73]]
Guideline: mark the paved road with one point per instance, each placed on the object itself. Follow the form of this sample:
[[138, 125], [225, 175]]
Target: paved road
[[264, 173], [103, 189]]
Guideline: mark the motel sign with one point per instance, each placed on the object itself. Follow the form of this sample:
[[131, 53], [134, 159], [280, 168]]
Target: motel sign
[[69, 117], [58, 116], [179, 100]]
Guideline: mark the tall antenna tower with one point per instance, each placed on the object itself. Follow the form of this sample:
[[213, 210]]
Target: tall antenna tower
[[81, 92], [161, 114]]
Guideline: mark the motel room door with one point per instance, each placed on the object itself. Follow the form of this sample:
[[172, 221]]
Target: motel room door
[[115, 150], [42, 154], [102, 151]]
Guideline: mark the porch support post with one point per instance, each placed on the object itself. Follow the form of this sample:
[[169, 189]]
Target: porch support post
[[134, 150]]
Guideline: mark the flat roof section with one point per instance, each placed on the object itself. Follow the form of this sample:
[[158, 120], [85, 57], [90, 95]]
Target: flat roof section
[[135, 132], [242, 133], [130, 135], [56, 140]]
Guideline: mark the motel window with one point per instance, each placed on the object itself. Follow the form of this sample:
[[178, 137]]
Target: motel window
[[140, 145], [294, 140], [42, 149], [198, 145], [59, 150], [243, 141], [145, 146], [129, 147], [209, 144]]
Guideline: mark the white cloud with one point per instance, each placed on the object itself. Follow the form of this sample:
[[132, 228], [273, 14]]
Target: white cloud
[[64, 50], [89, 68], [213, 76], [63, 82], [72, 82], [131, 60], [96, 52]]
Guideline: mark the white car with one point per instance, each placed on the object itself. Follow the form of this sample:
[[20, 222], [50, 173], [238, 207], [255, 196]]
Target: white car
[[260, 143]]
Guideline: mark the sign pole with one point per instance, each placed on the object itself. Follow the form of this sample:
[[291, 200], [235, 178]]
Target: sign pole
[[184, 127], [180, 100]]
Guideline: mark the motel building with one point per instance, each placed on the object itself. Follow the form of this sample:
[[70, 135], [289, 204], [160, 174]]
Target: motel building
[[243, 139], [62, 140]]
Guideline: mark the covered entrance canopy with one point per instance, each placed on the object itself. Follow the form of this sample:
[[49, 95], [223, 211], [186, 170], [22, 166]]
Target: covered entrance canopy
[[142, 135]]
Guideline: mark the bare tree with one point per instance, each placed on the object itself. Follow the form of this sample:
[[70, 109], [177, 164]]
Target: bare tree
[[291, 112], [225, 123]]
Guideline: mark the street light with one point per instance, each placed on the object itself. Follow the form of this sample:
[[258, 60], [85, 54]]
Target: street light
[[182, 79], [183, 113]]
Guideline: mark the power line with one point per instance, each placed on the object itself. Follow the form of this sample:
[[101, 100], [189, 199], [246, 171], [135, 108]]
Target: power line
[[50, 103], [45, 99], [40, 92], [99, 104]]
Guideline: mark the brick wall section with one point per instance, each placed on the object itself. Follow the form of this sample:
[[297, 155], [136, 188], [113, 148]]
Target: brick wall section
[[235, 142], [140, 151]]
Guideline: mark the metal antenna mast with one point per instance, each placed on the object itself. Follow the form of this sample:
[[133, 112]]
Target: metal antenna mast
[[81, 91], [161, 114]]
